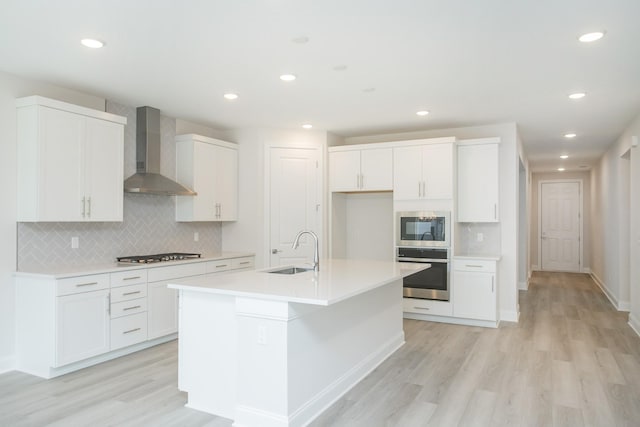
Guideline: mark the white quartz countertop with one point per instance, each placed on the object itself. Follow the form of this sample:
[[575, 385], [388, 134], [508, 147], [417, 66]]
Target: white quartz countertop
[[63, 272], [337, 280]]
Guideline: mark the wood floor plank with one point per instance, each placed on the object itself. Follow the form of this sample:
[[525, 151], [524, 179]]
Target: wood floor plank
[[571, 360]]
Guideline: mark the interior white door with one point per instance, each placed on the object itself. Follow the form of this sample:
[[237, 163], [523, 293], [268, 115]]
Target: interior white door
[[294, 180], [560, 226]]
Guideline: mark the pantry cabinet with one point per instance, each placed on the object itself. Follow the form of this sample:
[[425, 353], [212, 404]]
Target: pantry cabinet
[[70, 162], [478, 184], [423, 171], [210, 167], [361, 169], [474, 289]]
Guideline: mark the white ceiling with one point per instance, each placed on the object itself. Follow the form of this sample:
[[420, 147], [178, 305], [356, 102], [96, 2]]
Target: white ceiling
[[467, 62]]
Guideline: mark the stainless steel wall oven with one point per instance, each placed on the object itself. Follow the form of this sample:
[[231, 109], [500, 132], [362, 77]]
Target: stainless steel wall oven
[[432, 283]]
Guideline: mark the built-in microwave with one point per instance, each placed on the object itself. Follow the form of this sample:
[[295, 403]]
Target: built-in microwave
[[423, 228]]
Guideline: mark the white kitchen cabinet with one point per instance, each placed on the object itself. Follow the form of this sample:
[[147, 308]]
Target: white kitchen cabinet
[[360, 169], [82, 326], [474, 288], [163, 310], [210, 167], [423, 171], [478, 185], [70, 162]]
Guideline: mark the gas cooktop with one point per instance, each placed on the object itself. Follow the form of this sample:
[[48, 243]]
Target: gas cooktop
[[148, 259]]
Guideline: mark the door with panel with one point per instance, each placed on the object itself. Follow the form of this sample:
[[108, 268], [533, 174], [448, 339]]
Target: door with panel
[[82, 326], [163, 310], [344, 170], [62, 163], [560, 229], [226, 182], [294, 194], [407, 173], [103, 182], [437, 171]]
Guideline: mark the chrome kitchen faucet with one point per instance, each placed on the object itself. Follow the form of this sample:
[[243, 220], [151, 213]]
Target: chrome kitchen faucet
[[296, 242]]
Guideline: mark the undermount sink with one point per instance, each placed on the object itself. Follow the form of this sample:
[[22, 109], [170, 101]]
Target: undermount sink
[[290, 270]]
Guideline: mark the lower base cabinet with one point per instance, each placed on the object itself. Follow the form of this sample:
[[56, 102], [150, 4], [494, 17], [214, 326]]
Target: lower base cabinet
[[163, 310], [82, 326], [474, 289], [65, 324]]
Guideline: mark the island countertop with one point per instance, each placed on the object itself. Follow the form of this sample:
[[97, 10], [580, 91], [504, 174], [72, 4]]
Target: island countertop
[[337, 280]]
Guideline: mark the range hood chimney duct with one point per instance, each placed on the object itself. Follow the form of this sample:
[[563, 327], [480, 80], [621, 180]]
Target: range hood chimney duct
[[147, 178]]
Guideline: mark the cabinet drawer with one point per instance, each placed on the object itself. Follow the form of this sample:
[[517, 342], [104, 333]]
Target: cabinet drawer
[[128, 330], [131, 277], [220, 265], [126, 308], [176, 271], [125, 293], [246, 262], [474, 265], [75, 285], [427, 306]]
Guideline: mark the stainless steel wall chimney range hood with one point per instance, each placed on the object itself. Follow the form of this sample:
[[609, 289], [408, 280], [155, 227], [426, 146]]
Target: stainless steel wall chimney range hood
[[147, 178]]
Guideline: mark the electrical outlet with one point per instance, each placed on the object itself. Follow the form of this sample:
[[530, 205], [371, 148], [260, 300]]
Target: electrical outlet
[[196, 236], [75, 243], [480, 237], [262, 335]]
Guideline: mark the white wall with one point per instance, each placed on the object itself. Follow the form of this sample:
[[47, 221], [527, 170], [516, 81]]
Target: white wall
[[511, 151], [615, 254], [251, 231], [611, 198], [12, 87]]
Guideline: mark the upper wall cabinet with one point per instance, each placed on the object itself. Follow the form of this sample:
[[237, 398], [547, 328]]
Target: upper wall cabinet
[[423, 171], [360, 169], [70, 162], [210, 167], [478, 186]]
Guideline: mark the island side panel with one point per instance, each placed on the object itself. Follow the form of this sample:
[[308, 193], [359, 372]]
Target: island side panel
[[207, 359], [308, 357]]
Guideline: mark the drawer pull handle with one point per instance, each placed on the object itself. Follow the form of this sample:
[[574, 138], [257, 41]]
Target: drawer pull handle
[[473, 265], [421, 308], [130, 293], [130, 331], [221, 265], [245, 262], [131, 308], [86, 284], [131, 278]]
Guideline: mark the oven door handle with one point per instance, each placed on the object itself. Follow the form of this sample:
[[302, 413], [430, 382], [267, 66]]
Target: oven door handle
[[426, 260]]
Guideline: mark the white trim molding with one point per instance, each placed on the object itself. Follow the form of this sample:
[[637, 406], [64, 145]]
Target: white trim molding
[[634, 322], [523, 286], [7, 364], [509, 316], [618, 305]]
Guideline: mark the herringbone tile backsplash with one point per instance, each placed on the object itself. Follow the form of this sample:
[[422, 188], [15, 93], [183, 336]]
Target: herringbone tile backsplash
[[149, 224]]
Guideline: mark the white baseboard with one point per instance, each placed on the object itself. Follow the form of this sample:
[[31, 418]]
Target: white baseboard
[[7, 364], [634, 322], [618, 305], [586, 270], [509, 316], [451, 320], [535, 268], [523, 286]]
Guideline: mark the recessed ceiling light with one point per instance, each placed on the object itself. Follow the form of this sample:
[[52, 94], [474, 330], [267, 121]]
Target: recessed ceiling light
[[564, 156], [583, 166], [422, 113], [300, 40], [92, 43], [577, 95], [231, 96], [307, 126], [340, 68], [570, 135], [560, 169], [369, 89], [287, 77], [591, 37]]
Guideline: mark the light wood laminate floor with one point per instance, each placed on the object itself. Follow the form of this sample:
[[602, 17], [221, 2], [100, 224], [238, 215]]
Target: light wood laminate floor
[[572, 360]]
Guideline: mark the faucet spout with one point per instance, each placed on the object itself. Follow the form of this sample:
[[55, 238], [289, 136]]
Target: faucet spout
[[296, 242]]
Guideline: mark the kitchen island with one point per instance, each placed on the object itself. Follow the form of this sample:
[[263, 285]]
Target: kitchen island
[[268, 349]]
